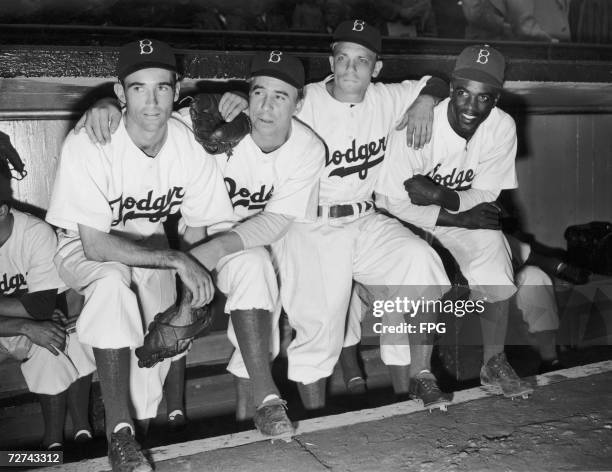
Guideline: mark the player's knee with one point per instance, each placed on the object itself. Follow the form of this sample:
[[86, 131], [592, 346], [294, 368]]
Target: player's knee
[[255, 265], [114, 276]]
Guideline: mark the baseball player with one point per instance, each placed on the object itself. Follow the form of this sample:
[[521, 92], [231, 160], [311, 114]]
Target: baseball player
[[110, 201], [272, 177], [54, 363], [449, 188], [350, 240], [535, 300]]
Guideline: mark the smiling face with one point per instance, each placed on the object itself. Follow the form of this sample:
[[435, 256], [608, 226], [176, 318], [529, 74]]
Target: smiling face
[[353, 66], [149, 96], [470, 104], [272, 103]]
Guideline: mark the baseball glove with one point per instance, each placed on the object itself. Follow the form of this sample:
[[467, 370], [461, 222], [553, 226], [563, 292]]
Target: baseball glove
[[162, 338], [216, 135], [9, 158]]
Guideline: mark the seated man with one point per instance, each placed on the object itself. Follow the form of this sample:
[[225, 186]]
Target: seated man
[[272, 177], [449, 187], [110, 201], [535, 298], [55, 364]]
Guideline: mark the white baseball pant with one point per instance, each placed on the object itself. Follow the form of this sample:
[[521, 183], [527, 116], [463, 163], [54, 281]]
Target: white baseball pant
[[318, 262], [45, 373], [120, 302]]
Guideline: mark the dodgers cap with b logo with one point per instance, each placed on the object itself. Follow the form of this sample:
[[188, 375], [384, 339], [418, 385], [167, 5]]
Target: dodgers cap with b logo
[[279, 65], [143, 54], [481, 63], [358, 31]]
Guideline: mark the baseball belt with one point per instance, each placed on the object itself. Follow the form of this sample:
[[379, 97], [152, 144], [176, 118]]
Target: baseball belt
[[347, 209]]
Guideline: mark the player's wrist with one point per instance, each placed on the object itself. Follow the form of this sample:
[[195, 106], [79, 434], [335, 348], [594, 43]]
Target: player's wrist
[[25, 327]]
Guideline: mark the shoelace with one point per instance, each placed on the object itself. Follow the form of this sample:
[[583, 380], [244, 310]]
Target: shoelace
[[127, 447], [505, 370], [428, 384]]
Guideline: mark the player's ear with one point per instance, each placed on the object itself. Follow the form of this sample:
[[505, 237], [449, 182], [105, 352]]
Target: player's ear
[[120, 92], [377, 68], [4, 209], [331, 63], [177, 89]]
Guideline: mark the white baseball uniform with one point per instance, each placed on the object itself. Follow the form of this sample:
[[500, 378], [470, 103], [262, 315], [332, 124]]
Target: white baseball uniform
[[319, 260], [26, 266], [485, 163], [284, 181], [117, 189], [535, 295]]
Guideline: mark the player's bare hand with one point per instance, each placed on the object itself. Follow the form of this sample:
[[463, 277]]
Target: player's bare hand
[[231, 104], [482, 216], [421, 190], [101, 120], [197, 279], [47, 334], [418, 121]]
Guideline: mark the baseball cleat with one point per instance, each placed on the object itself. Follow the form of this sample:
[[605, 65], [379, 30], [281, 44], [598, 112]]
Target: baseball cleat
[[271, 419], [124, 454], [499, 374], [425, 388]]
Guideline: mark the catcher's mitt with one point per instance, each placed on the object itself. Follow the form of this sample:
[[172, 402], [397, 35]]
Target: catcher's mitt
[[216, 135], [9, 155], [162, 338]]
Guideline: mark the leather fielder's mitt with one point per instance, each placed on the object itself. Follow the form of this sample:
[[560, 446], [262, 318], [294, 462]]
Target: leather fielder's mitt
[[9, 155], [216, 135], [162, 338]]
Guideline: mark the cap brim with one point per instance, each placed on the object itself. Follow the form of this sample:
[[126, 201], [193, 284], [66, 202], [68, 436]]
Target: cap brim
[[145, 65], [280, 76], [365, 44], [478, 76]]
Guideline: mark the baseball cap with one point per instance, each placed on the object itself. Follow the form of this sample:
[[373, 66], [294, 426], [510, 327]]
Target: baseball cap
[[280, 65], [143, 54], [481, 63], [358, 31]]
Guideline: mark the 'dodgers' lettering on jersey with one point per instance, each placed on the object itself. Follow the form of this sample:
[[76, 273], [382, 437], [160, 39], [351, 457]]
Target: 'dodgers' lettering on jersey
[[13, 284], [152, 208], [461, 180], [244, 197], [367, 153]]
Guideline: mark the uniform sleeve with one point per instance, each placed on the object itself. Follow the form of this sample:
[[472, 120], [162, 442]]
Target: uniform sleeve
[[40, 243], [206, 200], [496, 169], [400, 96], [79, 190], [297, 194], [468, 199]]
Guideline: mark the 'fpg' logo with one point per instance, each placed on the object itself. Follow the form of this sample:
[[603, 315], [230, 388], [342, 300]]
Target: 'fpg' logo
[[275, 57], [483, 56], [358, 25], [146, 46]]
